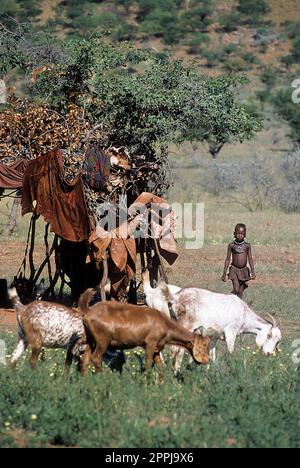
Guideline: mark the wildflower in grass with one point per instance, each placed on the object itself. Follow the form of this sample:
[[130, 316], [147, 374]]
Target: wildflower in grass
[[33, 417], [7, 424], [52, 374]]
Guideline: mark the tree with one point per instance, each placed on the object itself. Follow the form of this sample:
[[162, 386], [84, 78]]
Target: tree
[[289, 111], [218, 118], [163, 101]]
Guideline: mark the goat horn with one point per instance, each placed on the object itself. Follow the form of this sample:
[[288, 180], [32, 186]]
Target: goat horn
[[273, 321]]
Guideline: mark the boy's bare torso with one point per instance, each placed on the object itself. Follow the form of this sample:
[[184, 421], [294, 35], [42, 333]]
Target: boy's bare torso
[[239, 252]]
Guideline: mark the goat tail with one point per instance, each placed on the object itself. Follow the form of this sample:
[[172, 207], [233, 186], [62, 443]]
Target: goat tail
[[85, 300], [15, 300]]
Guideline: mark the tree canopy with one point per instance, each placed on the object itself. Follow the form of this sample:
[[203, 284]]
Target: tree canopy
[[140, 99]]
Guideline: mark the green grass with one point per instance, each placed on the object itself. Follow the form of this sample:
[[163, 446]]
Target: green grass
[[246, 400]]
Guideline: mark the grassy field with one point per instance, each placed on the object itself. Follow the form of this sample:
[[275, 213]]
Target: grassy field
[[242, 401], [246, 400]]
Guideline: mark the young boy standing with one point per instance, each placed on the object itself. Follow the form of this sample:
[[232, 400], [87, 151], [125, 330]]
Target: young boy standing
[[240, 254]]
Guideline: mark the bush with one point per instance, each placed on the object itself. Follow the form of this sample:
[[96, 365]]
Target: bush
[[249, 184], [249, 58], [162, 24], [235, 64], [196, 42], [292, 28], [268, 77], [197, 17], [289, 199], [291, 167], [229, 21], [253, 10], [125, 32]]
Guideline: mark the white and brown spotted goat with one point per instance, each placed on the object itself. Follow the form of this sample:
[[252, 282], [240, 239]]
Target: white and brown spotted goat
[[47, 325]]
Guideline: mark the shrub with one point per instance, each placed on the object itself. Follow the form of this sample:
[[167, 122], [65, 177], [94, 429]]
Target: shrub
[[197, 17], [291, 167], [196, 42], [249, 58], [235, 64], [292, 28], [294, 57], [268, 77], [253, 10], [289, 199], [229, 21], [249, 184], [125, 32], [162, 24]]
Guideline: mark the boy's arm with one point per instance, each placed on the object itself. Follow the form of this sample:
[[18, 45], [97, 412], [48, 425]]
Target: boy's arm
[[227, 263], [251, 263]]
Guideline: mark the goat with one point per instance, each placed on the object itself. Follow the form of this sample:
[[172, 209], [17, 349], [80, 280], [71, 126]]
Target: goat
[[155, 297], [125, 326], [227, 314], [39, 291], [46, 325]]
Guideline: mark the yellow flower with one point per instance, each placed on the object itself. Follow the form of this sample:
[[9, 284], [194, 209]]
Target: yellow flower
[[7, 424], [33, 417]]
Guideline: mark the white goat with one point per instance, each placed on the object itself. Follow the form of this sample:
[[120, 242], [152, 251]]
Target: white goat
[[47, 325], [227, 314], [156, 297]]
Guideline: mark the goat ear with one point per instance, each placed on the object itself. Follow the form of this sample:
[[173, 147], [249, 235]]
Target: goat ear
[[200, 350]]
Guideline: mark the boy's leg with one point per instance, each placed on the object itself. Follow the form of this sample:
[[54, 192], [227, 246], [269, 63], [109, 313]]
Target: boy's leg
[[236, 285], [243, 286]]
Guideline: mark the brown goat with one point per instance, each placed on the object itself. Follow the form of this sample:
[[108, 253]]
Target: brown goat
[[124, 326]]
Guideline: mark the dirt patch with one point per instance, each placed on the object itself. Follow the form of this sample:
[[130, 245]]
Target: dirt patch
[[8, 319], [11, 256]]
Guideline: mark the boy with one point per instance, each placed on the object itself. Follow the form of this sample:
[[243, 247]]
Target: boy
[[241, 254]]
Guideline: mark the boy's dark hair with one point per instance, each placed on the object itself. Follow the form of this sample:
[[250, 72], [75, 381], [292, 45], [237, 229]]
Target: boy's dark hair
[[239, 226]]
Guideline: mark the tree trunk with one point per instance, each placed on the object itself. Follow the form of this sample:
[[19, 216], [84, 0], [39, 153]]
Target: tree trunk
[[12, 221]]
